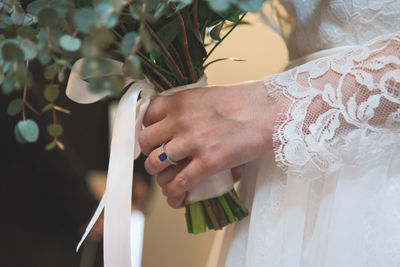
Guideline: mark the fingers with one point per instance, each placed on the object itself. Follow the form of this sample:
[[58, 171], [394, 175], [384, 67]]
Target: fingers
[[192, 174], [155, 112], [176, 202], [167, 176], [169, 173], [153, 136], [174, 150]]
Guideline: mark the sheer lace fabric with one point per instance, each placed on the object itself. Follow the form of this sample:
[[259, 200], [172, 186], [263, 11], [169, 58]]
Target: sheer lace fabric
[[329, 193], [339, 108]]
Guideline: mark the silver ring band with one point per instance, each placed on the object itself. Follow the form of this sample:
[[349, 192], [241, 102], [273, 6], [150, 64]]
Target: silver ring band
[[164, 157]]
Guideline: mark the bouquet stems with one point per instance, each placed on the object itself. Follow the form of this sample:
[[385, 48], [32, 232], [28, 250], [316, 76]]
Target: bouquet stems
[[214, 213]]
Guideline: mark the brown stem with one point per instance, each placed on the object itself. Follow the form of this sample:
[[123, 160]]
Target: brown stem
[[75, 33], [24, 96], [49, 45], [176, 55], [211, 214], [23, 104], [186, 45], [52, 104], [164, 49], [221, 214], [158, 74], [54, 115]]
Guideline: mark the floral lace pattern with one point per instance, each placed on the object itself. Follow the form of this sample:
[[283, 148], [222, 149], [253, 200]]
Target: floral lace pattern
[[330, 23], [334, 103], [335, 200]]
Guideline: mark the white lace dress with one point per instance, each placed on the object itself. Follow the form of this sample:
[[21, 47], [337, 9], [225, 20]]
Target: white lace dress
[[329, 194]]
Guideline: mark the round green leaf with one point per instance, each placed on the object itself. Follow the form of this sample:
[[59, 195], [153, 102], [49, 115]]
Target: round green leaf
[[29, 130], [70, 44], [107, 13], [18, 15], [28, 32], [51, 92], [14, 107], [8, 84], [128, 42], [55, 130], [11, 52], [84, 18], [48, 17], [218, 5], [29, 48], [44, 57], [50, 73], [18, 135]]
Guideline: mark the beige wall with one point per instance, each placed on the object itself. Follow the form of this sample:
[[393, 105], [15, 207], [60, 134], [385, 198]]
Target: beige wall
[[166, 243]]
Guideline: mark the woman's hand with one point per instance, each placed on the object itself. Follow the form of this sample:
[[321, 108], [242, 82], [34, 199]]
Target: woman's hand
[[206, 130]]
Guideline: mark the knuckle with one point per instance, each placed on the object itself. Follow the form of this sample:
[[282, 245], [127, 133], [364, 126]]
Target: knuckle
[[184, 120], [182, 182], [209, 161], [197, 140], [152, 162]]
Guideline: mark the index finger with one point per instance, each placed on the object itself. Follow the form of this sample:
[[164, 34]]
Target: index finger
[[156, 111]]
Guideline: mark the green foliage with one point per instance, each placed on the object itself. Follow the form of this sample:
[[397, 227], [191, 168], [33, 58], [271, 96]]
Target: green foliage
[[11, 52], [51, 92], [14, 107], [69, 43], [147, 36], [27, 131], [55, 130]]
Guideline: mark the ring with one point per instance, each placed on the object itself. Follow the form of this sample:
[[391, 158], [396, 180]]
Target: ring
[[164, 157]]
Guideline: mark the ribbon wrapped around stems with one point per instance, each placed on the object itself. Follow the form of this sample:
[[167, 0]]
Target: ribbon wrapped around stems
[[117, 197]]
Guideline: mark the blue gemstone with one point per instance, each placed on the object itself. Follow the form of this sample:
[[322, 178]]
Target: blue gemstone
[[162, 157]]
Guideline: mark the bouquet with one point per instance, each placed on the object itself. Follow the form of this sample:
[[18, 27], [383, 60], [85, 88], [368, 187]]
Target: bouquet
[[161, 41]]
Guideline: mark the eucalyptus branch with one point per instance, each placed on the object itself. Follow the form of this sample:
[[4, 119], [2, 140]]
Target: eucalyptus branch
[[186, 45], [226, 35], [49, 44], [24, 96], [135, 47]]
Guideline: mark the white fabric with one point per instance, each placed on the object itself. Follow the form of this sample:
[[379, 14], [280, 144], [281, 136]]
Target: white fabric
[[329, 194], [137, 231], [128, 122]]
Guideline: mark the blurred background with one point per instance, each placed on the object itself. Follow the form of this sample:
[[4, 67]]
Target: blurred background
[[45, 209]]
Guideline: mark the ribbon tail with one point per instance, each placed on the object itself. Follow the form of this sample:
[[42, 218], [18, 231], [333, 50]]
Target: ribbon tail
[[117, 199], [117, 213], [96, 215]]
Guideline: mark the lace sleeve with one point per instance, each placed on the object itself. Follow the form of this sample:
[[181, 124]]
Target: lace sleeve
[[340, 109]]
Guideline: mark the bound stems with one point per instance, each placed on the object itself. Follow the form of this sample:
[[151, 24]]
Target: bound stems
[[186, 45], [164, 49]]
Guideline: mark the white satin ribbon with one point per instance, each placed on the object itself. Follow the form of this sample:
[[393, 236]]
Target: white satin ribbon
[[116, 200]]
